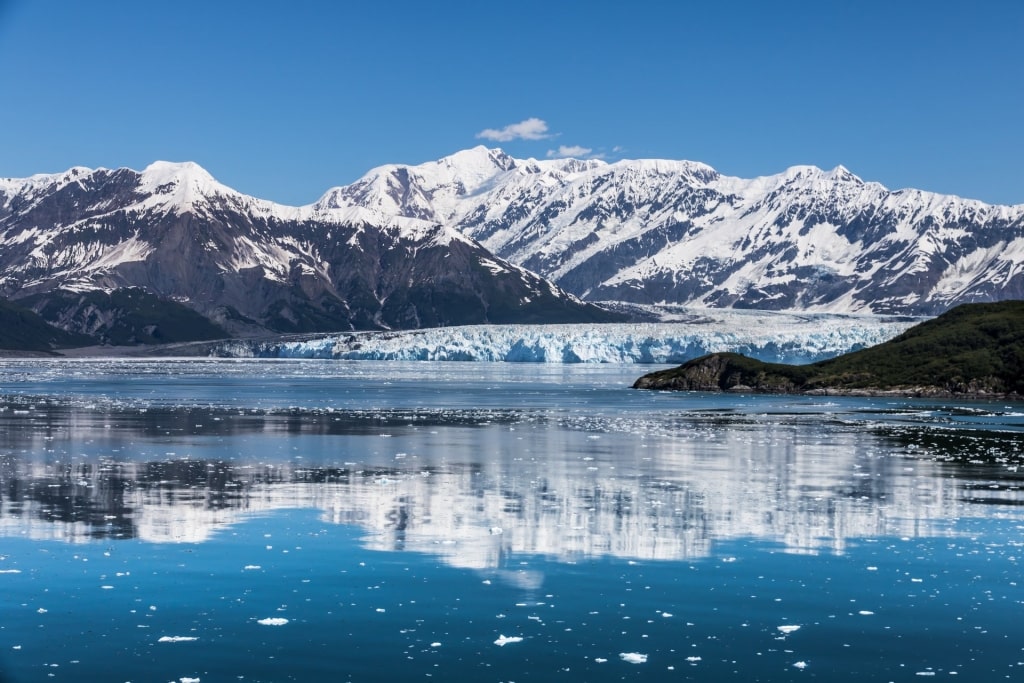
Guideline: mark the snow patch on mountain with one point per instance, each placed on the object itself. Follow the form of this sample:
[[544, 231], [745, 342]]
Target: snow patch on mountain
[[772, 337]]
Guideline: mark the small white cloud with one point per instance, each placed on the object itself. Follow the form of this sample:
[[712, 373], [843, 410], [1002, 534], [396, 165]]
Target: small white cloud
[[566, 151], [530, 129]]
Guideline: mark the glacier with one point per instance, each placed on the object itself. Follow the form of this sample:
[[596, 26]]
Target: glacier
[[776, 337]]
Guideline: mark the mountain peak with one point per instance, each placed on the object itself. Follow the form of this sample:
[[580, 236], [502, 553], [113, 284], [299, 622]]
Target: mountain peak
[[178, 183], [842, 174], [481, 156], [161, 173]]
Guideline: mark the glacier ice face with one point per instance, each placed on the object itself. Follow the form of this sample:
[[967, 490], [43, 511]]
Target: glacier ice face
[[765, 335]]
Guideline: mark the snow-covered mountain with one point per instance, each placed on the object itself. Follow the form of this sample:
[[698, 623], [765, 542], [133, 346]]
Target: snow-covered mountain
[[458, 240], [652, 231], [181, 239], [776, 337]]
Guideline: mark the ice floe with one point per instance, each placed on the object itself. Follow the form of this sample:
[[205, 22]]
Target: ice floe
[[504, 640]]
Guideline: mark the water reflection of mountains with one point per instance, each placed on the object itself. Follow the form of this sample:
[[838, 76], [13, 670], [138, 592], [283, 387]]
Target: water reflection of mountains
[[476, 514]]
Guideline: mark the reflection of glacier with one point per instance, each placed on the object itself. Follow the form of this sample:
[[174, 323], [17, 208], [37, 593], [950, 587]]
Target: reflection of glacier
[[562, 494], [770, 336]]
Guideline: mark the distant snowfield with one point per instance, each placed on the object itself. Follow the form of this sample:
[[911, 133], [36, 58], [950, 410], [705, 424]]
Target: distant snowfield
[[783, 337]]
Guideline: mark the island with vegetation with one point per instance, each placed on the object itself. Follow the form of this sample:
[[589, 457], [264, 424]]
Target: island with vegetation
[[973, 350]]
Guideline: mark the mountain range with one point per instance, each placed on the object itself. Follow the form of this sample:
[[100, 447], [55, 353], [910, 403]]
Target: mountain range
[[169, 253], [653, 231], [185, 245]]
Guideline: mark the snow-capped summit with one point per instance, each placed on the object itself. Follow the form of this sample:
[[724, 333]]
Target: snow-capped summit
[[179, 184]]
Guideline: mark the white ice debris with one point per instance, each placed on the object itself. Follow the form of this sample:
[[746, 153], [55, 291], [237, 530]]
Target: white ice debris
[[788, 628], [176, 639], [504, 640], [633, 657], [273, 621], [765, 335], [800, 665]]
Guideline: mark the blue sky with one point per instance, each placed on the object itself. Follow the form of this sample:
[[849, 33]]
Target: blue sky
[[283, 100]]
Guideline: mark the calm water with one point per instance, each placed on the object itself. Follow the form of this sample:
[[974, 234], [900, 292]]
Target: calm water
[[307, 521]]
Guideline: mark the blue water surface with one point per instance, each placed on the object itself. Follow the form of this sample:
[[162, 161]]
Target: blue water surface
[[314, 521]]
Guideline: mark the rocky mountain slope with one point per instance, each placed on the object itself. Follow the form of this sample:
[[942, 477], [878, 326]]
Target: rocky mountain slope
[[23, 330], [651, 231], [972, 350], [246, 265]]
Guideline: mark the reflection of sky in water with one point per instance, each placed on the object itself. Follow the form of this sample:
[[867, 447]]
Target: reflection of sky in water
[[403, 529]]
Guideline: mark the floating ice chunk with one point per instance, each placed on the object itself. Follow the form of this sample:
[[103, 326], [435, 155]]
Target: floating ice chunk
[[788, 628], [177, 639], [250, 567], [10, 571], [42, 610], [925, 673], [800, 665], [186, 679], [600, 660], [504, 640], [496, 531], [435, 644], [693, 659], [865, 612], [633, 657], [667, 615], [273, 621]]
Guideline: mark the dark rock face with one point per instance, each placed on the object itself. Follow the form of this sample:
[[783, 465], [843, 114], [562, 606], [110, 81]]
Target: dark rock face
[[245, 265], [23, 330], [727, 372]]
